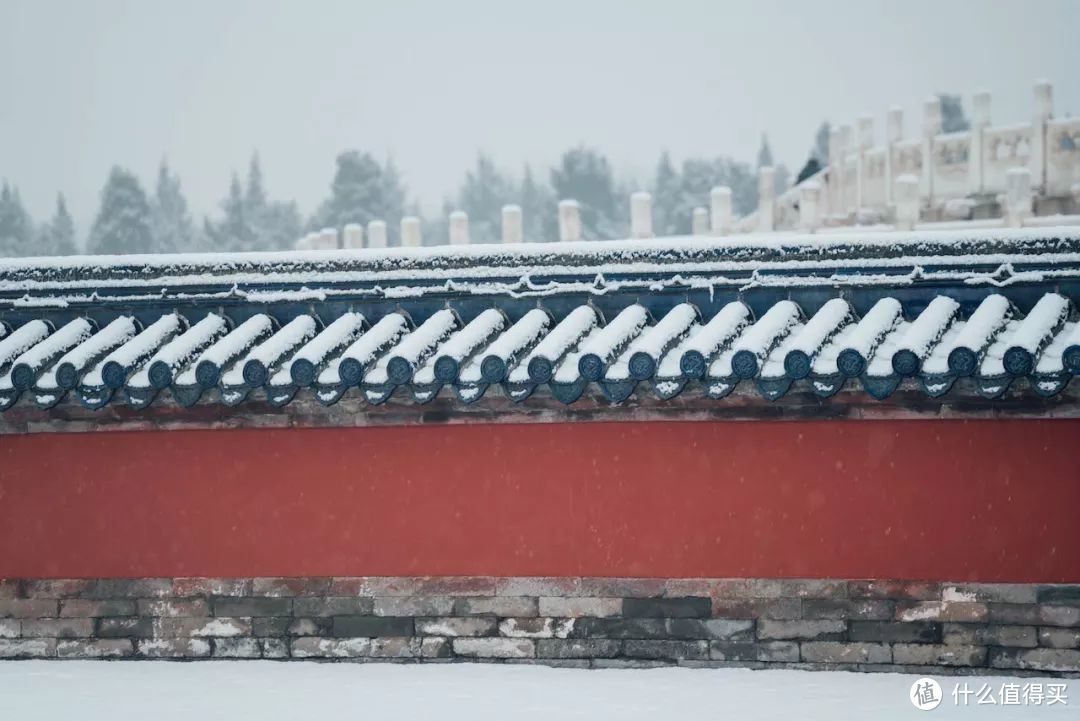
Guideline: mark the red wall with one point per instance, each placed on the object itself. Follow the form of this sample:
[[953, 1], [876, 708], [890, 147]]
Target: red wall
[[986, 500]]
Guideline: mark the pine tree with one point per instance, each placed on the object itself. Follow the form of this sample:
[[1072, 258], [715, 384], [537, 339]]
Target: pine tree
[[584, 175], [255, 192], [539, 210], [666, 194], [174, 231], [123, 223], [764, 155], [234, 232], [58, 235], [362, 191], [482, 195], [16, 227], [820, 151], [276, 225], [953, 119]]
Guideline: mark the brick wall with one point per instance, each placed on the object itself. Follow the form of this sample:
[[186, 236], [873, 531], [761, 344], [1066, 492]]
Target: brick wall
[[585, 622]]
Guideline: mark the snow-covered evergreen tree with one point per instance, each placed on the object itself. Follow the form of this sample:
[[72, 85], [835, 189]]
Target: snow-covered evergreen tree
[[482, 195], [235, 231], [16, 227], [174, 231], [584, 175], [362, 191], [124, 223], [820, 151], [764, 154], [666, 198], [275, 224], [953, 119], [539, 210], [58, 235]]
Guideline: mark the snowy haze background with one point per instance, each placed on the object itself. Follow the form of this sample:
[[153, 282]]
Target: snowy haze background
[[89, 85]]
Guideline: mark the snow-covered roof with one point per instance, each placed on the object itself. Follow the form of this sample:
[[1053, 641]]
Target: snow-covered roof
[[666, 316]]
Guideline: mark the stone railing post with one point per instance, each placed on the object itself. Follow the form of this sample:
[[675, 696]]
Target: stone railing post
[[720, 204], [569, 220], [1044, 110], [410, 232], [931, 127], [894, 133], [865, 128], [980, 120], [907, 202], [376, 233], [459, 228], [809, 208], [354, 236], [327, 239], [699, 222], [641, 215], [1018, 196], [512, 224], [766, 194]]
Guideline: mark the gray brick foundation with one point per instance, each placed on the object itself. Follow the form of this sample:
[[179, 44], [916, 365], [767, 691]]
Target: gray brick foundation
[[859, 625]]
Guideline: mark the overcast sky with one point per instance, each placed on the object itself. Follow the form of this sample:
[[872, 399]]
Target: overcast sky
[[88, 84]]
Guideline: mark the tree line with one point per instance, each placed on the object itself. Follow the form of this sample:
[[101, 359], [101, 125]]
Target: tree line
[[131, 219]]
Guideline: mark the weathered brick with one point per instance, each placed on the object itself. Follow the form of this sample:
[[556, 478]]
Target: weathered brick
[[1059, 637], [95, 648], [55, 587], [895, 631], [862, 609], [623, 587], [290, 587], [10, 628], [968, 611], [229, 606], [432, 647], [536, 627], [454, 626], [965, 634], [27, 648], [28, 608], [111, 627], [1039, 659], [413, 606], [939, 655], [678, 587], [765, 651], [776, 608], [494, 647], [128, 588], [813, 588], [414, 586], [172, 647], [577, 648], [174, 607], [211, 587], [685, 607], [81, 608], [1059, 615], [58, 628], [619, 628], [667, 649], [1013, 613], [989, 592], [1060, 594], [314, 647], [538, 586], [749, 588], [333, 606], [219, 627], [516, 606], [573, 607], [237, 648], [898, 590], [712, 629], [833, 652], [303, 627], [274, 647], [277, 626], [10, 588], [629, 663], [368, 626], [810, 630]]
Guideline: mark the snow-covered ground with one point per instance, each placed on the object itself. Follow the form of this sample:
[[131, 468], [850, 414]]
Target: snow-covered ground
[[265, 690]]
